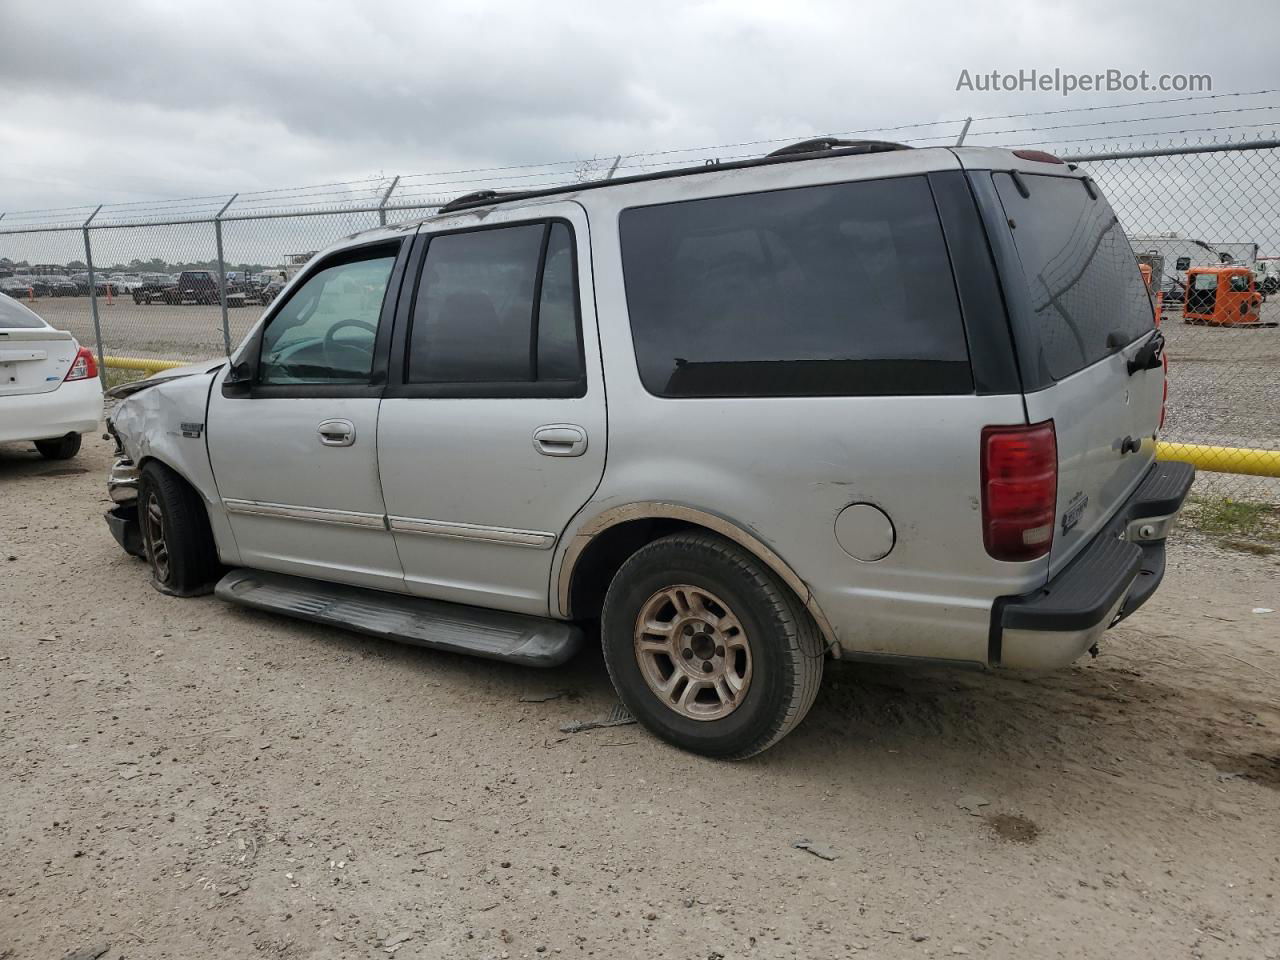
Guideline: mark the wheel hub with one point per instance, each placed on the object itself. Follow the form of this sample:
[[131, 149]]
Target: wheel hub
[[154, 534], [693, 652]]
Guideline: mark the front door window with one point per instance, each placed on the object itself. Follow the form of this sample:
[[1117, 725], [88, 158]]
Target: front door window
[[325, 334]]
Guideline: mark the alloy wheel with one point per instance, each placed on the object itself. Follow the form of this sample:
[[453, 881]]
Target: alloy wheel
[[693, 652]]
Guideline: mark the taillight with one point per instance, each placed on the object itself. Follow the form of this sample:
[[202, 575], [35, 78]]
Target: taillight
[[83, 366], [1019, 490]]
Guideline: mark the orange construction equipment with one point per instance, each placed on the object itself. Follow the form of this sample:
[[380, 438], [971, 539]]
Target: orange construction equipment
[[1223, 297]]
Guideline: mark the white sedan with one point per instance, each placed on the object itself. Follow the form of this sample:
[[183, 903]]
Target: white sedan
[[49, 387]]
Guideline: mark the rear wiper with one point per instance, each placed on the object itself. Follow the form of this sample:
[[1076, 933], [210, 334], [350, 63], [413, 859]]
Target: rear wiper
[[1150, 356]]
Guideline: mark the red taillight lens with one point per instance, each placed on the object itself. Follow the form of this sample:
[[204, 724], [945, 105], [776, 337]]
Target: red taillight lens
[[83, 366], [1019, 490]]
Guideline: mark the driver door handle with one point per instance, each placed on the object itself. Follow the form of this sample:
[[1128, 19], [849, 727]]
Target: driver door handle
[[560, 440], [337, 433]]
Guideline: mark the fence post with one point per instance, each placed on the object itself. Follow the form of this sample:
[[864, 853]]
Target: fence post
[[614, 169], [382, 207], [93, 297], [222, 275], [964, 131]]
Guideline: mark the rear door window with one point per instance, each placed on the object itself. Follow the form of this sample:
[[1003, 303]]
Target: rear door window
[[1087, 294], [839, 289], [499, 307]]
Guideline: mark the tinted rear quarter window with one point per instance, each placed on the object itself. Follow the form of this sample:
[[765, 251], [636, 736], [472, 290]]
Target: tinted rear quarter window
[[1081, 272], [840, 289]]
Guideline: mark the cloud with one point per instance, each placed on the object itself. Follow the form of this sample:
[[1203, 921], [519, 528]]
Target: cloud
[[136, 100]]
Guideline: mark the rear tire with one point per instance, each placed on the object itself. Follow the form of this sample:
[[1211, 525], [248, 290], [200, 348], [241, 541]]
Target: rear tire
[[707, 648], [63, 448], [176, 538]]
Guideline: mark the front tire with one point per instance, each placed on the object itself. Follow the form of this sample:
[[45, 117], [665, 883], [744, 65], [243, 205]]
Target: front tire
[[63, 448], [707, 648], [176, 539]]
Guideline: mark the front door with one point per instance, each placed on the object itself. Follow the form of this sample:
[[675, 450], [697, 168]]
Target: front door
[[492, 430], [293, 432]]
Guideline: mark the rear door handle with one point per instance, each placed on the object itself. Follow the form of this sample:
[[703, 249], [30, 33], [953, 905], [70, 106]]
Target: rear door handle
[[337, 433], [560, 440]]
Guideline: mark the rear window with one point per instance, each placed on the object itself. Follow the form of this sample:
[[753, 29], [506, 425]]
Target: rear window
[[14, 316], [1081, 271], [842, 289]]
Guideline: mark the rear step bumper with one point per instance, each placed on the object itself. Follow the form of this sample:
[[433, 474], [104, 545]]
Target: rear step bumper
[[513, 637], [1109, 579]]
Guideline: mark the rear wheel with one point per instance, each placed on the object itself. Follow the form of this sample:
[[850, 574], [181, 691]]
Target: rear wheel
[[176, 538], [707, 648], [63, 448]]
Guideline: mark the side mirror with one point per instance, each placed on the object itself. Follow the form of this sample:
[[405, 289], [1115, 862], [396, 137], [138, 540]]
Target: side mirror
[[238, 380], [240, 375]]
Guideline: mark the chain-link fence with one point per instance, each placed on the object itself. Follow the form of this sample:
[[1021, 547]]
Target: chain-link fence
[[1206, 221], [184, 280]]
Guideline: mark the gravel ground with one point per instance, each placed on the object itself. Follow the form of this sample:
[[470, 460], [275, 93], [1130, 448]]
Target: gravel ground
[[186, 778], [191, 332]]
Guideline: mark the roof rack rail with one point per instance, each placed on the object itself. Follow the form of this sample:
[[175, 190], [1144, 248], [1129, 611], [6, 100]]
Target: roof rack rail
[[820, 144], [805, 150], [478, 196]]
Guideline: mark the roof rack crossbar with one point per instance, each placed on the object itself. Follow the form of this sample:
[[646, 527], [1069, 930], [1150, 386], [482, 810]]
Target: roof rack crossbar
[[823, 144], [478, 197]]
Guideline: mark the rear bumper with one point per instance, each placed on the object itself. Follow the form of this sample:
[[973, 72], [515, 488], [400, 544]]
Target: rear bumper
[[74, 407], [1108, 580]]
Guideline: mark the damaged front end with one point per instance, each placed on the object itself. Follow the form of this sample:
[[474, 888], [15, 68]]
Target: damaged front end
[[146, 412], [122, 487]]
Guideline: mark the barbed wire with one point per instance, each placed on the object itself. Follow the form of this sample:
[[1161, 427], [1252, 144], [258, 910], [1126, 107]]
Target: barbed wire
[[342, 195]]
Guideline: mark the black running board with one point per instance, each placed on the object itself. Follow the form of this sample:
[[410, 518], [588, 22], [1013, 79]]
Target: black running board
[[513, 637]]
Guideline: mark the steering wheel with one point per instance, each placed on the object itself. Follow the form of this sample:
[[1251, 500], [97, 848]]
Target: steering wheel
[[331, 345]]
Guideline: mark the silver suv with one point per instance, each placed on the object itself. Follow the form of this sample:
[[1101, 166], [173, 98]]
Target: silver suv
[[849, 400]]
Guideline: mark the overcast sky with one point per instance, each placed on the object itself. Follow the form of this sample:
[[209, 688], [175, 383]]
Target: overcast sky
[[127, 100]]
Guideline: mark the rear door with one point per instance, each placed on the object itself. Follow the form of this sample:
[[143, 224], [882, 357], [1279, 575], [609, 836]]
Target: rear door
[[491, 434], [1082, 315], [34, 358]]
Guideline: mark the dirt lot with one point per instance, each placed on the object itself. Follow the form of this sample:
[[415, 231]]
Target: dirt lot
[[190, 332], [187, 779]]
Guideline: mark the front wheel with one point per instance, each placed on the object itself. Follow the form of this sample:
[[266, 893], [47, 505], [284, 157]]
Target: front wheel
[[176, 538], [62, 448], [707, 648]]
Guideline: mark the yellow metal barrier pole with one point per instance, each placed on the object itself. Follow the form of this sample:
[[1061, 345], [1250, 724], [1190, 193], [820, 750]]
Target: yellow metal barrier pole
[[1254, 463], [142, 363]]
